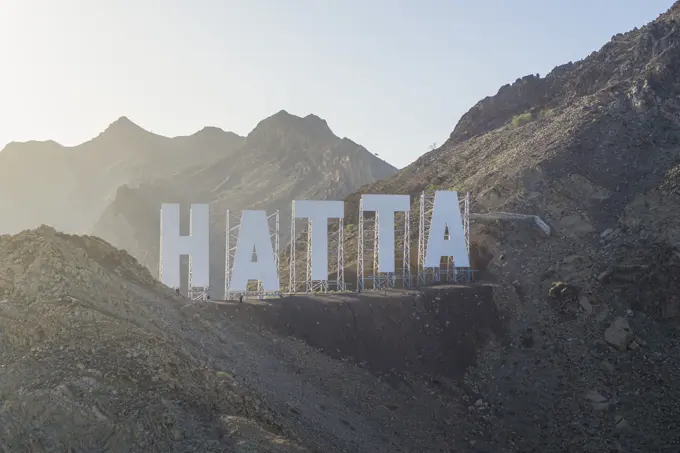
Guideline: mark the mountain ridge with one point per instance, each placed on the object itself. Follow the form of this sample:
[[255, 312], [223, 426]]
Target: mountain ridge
[[285, 157], [593, 149], [122, 124], [44, 182], [67, 186]]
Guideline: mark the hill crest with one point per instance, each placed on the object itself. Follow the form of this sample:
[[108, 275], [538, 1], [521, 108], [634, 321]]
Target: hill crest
[[592, 149]]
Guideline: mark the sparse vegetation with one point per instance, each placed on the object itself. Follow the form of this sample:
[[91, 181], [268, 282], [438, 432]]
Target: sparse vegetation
[[522, 119], [546, 113]]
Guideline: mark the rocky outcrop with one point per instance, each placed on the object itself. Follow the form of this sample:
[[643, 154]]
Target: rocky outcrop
[[591, 149]]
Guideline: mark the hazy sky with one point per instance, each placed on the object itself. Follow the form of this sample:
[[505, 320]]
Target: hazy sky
[[393, 75]]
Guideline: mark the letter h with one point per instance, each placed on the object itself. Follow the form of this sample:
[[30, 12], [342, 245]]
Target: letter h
[[196, 245]]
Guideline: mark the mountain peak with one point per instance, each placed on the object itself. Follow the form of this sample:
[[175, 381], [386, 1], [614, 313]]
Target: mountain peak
[[672, 13], [316, 122], [210, 130], [212, 136], [123, 121], [123, 130], [311, 125], [123, 125]]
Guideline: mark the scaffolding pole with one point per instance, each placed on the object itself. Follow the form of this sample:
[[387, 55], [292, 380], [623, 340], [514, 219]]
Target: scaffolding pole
[[340, 271], [361, 275], [292, 270]]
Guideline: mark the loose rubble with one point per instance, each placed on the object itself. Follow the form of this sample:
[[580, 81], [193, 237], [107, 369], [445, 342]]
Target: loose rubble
[[98, 356], [593, 308]]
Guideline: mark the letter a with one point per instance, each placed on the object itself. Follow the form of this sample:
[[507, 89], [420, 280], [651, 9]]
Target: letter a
[[254, 233], [446, 212]]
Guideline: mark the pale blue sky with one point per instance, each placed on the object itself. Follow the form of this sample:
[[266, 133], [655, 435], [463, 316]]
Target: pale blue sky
[[394, 76]]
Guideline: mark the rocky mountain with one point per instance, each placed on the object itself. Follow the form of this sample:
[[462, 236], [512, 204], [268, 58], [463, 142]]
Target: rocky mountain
[[285, 157], [96, 355], [591, 361], [69, 187]]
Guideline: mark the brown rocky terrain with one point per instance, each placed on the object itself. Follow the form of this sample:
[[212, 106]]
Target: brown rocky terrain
[[284, 158], [95, 355], [592, 148], [573, 347]]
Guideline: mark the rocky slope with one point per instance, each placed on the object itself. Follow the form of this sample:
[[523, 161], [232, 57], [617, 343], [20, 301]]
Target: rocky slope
[[69, 187], [285, 157], [95, 355], [593, 148]]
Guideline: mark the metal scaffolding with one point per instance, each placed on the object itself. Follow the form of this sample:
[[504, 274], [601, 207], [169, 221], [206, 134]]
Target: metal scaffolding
[[368, 236], [447, 271], [340, 262], [292, 268], [403, 250], [197, 292], [254, 290], [336, 257]]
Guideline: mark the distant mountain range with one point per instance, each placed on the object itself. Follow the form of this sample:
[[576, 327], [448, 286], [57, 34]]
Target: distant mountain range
[[113, 185], [69, 187]]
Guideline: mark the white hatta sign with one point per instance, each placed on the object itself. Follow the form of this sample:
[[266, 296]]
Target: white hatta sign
[[254, 236]]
